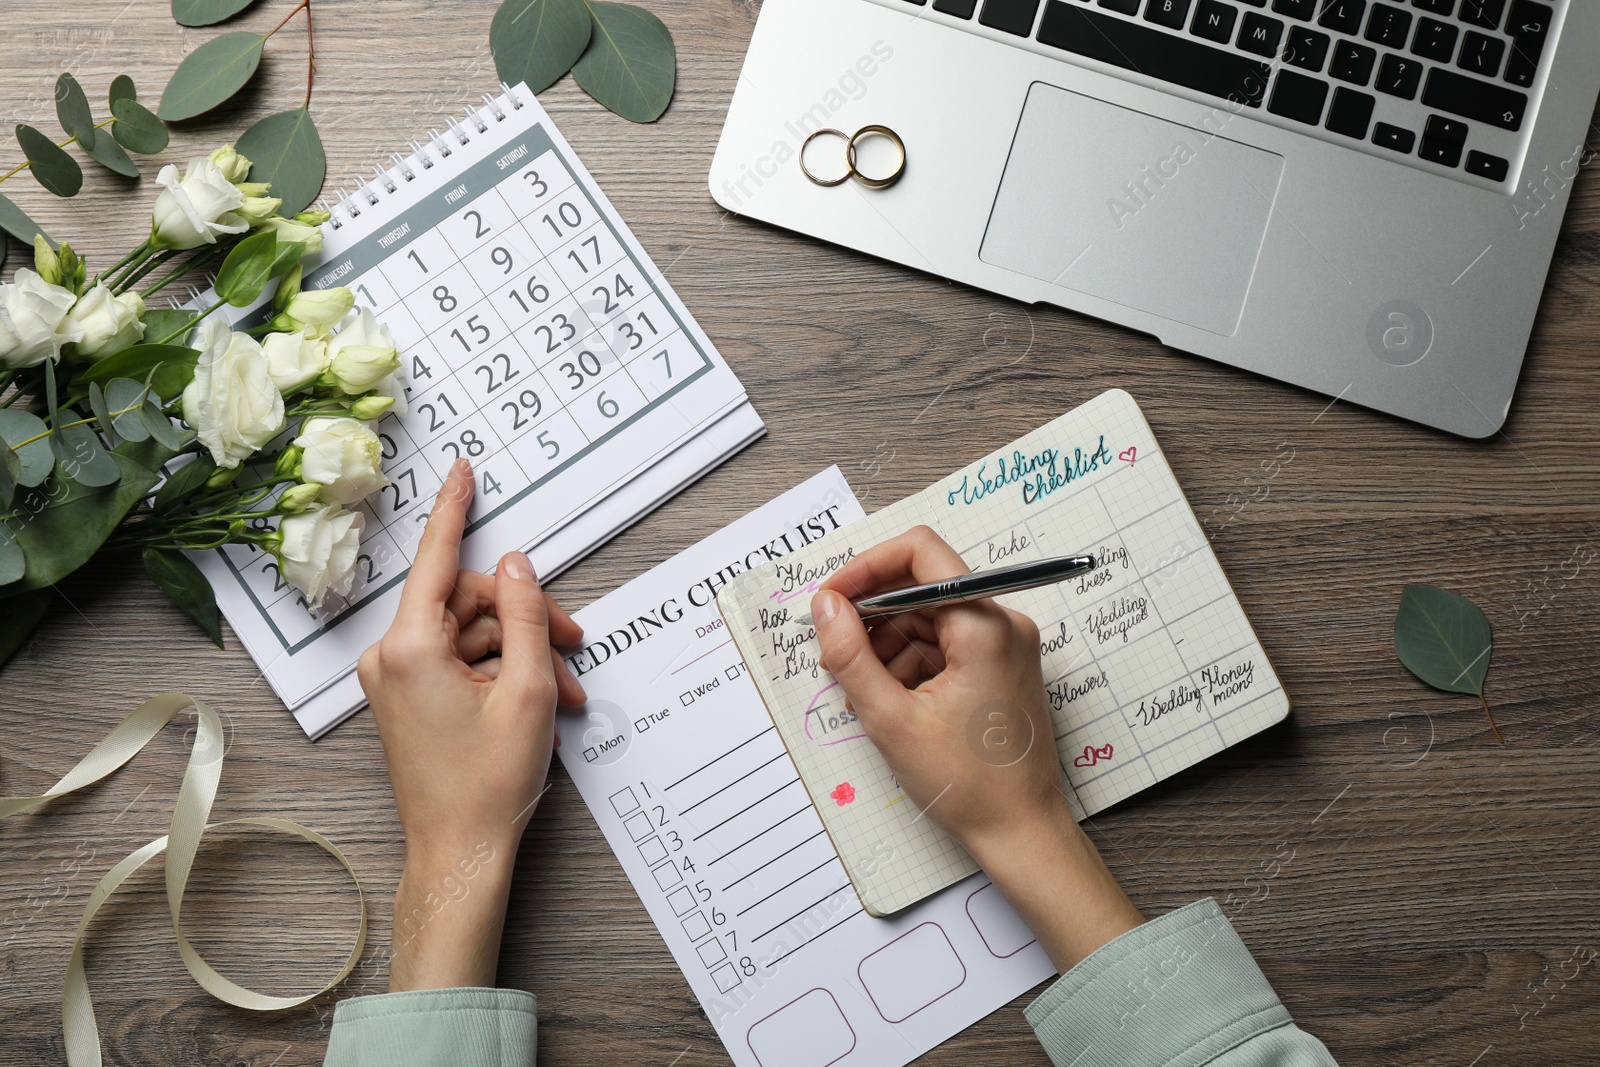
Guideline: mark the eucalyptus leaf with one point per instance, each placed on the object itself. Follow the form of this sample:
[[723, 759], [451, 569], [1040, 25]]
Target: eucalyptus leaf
[[630, 65], [102, 411], [15, 221], [21, 616], [52, 167], [121, 89], [1444, 640], [210, 75], [179, 578], [5, 247], [247, 268], [72, 109], [38, 461], [125, 399], [173, 366], [109, 154], [161, 426], [136, 129], [10, 472], [82, 458], [286, 150], [182, 483], [537, 41], [206, 12], [13, 560]]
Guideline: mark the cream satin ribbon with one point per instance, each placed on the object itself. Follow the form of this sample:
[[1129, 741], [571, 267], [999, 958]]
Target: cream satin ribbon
[[188, 826]]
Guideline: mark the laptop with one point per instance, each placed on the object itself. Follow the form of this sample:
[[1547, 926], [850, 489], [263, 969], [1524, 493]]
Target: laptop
[[1360, 198]]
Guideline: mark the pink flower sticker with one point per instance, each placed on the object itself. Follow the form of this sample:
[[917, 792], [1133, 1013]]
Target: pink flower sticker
[[844, 793]]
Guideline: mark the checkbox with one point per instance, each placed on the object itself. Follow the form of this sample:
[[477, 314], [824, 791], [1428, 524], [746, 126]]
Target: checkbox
[[712, 952], [732, 673], [589, 755], [687, 698], [624, 802], [681, 901], [653, 851], [696, 926], [641, 725], [725, 977], [638, 826], [667, 875]]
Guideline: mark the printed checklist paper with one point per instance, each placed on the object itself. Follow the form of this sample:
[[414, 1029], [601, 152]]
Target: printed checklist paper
[[538, 341], [680, 764], [1150, 665]]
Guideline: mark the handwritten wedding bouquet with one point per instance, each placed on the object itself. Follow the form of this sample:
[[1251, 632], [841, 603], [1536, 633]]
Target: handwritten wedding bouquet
[[164, 428]]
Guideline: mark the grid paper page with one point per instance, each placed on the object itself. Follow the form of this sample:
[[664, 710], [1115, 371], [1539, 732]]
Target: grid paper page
[[1149, 662]]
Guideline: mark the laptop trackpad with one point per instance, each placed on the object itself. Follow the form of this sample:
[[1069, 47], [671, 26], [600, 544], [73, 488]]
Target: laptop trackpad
[[1134, 209]]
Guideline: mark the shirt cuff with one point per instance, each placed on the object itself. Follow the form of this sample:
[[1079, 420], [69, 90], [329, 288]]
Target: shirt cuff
[[472, 1027], [1180, 990]]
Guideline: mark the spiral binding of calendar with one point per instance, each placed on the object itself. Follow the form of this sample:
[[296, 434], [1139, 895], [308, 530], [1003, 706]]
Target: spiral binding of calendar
[[369, 192]]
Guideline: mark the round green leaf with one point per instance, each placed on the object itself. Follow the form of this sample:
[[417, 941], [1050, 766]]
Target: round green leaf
[[13, 563], [206, 12], [102, 411], [183, 482], [285, 150], [136, 129], [124, 401], [10, 471], [245, 271], [1443, 639], [54, 169], [173, 366], [537, 41], [72, 108], [211, 74], [161, 426], [81, 457], [37, 459], [121, 89], [181, 580], [15, 221], [109, 154], [630, 65]]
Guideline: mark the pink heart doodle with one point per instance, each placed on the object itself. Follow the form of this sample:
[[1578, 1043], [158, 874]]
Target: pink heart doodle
[[1128, 455], [844, 793], [1092, 755]]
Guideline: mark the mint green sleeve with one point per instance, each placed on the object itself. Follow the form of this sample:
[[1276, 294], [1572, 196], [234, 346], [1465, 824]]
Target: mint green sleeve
[[460, 1027], [1179, 991]]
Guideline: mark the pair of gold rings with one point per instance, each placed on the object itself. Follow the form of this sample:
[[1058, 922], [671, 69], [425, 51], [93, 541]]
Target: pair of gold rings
[[852, 169]]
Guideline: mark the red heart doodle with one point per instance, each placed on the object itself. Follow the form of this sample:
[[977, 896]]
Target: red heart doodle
[[1128, 455], [1092, 755], [844, 793]]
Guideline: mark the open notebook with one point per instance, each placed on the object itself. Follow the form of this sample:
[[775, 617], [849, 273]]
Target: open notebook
[[1149, 662]]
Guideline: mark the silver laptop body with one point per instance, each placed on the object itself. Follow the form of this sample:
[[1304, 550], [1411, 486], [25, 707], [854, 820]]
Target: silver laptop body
[[1360, 198]]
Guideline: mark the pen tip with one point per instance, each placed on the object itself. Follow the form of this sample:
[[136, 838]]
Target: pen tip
[[806, 620]]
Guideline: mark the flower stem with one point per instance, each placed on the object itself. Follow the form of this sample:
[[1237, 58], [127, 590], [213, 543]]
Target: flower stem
[[311, 55], [152, 263], [123, 262], [179, 272], [1489, 713], [290, 15], [192, 323]]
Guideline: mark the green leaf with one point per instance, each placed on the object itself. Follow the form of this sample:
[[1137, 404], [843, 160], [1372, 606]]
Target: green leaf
[[121, 89], [537, 41], [37, 459], [163, 322], [173, 364], [206, 12], [13, 560], [181, 580], [286, 257], [211, 74], [184, 481], [102, 411], [81, 457], [72, 108], [10, 472], [21, 616], [52, 167], [126, 397], [15, 221], [161, 426], [109, 154], [286, 150], [630, 65], [1444, 640], [136, 129], [247, 268]]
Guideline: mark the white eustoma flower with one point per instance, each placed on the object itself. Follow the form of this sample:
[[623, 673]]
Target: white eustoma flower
[[293, 359], [231, 403], [34, 323], [192, 210], [290, 230], [343, 455], [109, 323], [318, 550], [362, 355]]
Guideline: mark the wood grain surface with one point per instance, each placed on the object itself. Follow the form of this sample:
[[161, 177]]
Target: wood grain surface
[[1437, 905]]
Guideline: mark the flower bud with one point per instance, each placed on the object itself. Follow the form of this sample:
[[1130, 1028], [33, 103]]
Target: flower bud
[[317, 307], [233, 166], [45, 260], [256, 210], [236, 530], [297, 498], [371, 407], [222, 477], [288, 288], [288, 465], [313, 217]]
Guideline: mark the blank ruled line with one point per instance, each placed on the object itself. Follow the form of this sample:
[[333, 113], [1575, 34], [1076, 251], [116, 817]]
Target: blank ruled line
[[786, 885], [807, 941], [768, 830], [803, 910], [724, 756], [782, 855], [747, 807], [781, 753]]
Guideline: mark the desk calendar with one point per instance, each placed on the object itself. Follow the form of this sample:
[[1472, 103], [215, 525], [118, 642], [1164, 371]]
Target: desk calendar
[[538, 340]]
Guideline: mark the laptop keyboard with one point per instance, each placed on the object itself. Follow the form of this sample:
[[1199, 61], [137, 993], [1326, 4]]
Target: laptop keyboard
[[1442, 85]]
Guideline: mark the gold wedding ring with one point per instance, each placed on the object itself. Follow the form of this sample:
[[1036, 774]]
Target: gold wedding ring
[[851, 169]]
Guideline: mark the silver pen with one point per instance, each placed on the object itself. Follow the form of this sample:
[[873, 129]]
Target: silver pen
[[978, 586]]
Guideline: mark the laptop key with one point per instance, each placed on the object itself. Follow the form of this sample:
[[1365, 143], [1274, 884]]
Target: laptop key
[[1435, 7], [1486, 166], [1304, 10], [1528, 26], [1350, 113], [1352, 62], [1169, 13], [1127, 7], [1388, 25], [1473, 99], [1306, 49], [1449, 131], [1481, 54], [1394, 138], [1214, 21], [961, 9], [1342, 16], [1399, 76], [1441, 152], [1435, 40], [1155, 53], [1296, 96], [1260, 34], [1485, 13], [1010, 16]]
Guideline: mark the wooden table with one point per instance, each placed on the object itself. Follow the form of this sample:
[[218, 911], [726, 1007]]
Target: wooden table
[[1436, 905]]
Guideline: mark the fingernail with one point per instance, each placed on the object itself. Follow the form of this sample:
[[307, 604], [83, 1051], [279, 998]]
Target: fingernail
[[462, 468], [517, 565], [824, 606]]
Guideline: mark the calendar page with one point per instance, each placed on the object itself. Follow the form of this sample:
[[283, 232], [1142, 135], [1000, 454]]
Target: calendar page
[[538, 340], [1150, 664]]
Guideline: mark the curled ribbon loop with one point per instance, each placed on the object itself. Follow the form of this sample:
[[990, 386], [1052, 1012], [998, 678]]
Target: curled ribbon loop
[[182, 840]]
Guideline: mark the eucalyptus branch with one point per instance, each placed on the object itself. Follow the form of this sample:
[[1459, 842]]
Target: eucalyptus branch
[[25, 164]]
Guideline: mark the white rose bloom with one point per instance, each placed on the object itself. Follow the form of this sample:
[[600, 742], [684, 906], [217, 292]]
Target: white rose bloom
[[289, 231], [34, 323], [109, 323], [231, 403], [191, 211], [319, 550], [320, 307], [293, 359], [362, 355], [343, 455]]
